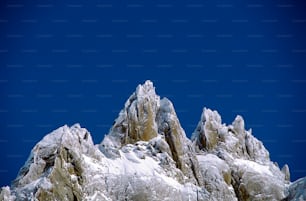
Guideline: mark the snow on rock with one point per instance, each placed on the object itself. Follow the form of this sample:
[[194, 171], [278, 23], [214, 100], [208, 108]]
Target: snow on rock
[[228, 141], [254, 181], [252, 175], [217, 177], [6, 195], [246, 165], [136, 121], [286, 172], [146, 117], [139, 174], [48, 171], [206, 134], [297, 190], [180, 146], [147, 156]]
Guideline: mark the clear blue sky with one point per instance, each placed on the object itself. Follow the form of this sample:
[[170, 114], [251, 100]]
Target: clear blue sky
[[63, 62]]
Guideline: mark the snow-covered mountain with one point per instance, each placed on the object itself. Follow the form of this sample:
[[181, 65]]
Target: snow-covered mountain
[[147, 156]]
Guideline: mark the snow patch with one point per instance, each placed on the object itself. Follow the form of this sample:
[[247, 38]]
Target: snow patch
[[250, 165]]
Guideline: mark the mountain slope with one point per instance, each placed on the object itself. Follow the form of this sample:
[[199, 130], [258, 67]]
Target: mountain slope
[[147, 156]]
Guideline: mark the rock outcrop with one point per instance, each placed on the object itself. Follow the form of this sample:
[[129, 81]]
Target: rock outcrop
[[297, 190], [136, 121], [56, 159], [146, 117], [147, 156], [246, 164]]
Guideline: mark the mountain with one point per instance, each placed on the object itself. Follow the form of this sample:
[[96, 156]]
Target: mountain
[[147, 156]]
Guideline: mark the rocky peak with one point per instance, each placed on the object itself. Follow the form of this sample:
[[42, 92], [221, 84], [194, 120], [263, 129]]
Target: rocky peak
[[136, 121], [181, 148], [232, 141], [56, 158], [241, 157], [145, 117]]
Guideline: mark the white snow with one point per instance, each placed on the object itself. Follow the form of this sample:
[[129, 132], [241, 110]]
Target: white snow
[[129, 165], [250, 165]]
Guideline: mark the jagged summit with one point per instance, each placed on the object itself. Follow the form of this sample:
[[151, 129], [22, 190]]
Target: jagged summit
[[231, 141], [145, 117], [147, 89], [147, 156], [243, 160], [136, 121]]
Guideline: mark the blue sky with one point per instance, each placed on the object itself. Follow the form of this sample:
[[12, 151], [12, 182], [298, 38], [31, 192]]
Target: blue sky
[[63, 62]]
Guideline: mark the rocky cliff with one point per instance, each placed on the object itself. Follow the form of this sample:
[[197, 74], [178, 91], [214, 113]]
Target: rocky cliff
[[147, 156]]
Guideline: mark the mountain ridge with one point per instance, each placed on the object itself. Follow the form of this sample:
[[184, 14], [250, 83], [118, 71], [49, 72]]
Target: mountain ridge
[[147, 156]]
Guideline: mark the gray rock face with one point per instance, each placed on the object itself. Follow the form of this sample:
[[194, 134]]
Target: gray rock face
[[147, 156], [57, 158], [181, 148], [217, 177], [228, 142], [297, 190], [245, 160]]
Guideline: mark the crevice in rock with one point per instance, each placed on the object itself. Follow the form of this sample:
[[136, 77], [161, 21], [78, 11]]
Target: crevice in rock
[[170, 141], [235, 182], [75, 197], [194, 172]]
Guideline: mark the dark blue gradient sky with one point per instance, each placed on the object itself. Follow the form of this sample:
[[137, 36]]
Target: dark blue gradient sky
[[63, 62]]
